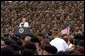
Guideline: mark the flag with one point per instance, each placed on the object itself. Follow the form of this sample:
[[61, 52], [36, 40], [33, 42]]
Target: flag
[[66, 30]]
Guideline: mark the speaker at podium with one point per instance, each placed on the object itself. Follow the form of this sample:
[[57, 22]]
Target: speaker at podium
[[22, 31]]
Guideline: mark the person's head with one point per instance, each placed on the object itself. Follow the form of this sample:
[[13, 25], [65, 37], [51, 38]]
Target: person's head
[[22, 39], [19, 42], [41, 36], [35, 40], [80, 47], [49, 49], [23, 19], [15, 47], [75, 53], [27, 52], [31, 46], [55, 32], [9, 42], [63, 53], [7, 51], [27, 39]]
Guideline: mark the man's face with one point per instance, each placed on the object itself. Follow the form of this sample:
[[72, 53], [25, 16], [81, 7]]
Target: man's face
[[23, 20]]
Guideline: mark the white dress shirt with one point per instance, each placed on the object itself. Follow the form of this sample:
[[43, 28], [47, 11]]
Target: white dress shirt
[[26, 24], [60, 44]]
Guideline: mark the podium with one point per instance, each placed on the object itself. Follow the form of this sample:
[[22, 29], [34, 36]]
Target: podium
[[22, 31]]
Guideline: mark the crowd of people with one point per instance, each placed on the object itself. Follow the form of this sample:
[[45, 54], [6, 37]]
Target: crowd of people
[[44, 17]]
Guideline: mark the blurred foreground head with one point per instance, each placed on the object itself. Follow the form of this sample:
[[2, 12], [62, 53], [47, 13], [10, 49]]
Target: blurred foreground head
[[49, 49]]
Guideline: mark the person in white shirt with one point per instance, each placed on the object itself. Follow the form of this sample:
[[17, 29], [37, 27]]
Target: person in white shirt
[[24, 23], [58, 42]]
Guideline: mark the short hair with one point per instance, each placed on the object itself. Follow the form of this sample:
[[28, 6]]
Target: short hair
[[15, 47], [63, 53], [49, 48], [30, 45], [8, 42], [7, 51], [81, 43], [75, 53], [19, 42], [41, 35], [78, 37], [27, 52], [35, 40], [23, 37]]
